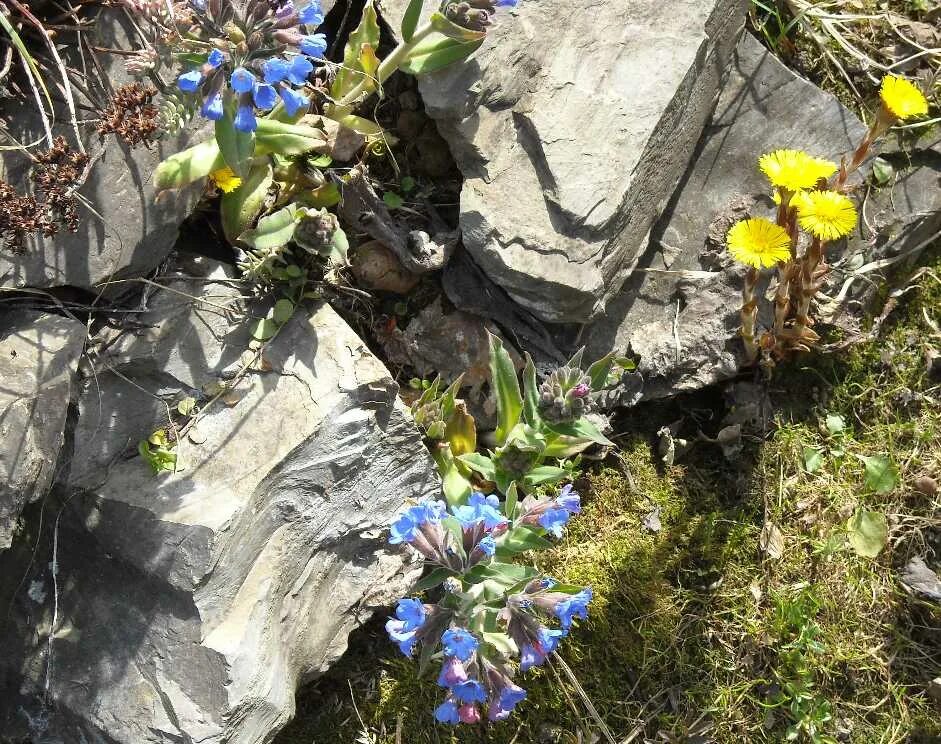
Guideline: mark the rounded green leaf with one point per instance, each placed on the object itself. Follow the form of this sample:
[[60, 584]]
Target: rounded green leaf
[[868, 533], [283, 310]]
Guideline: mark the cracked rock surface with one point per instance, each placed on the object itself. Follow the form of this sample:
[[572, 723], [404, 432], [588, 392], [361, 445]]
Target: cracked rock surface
[[190, 605], [572, 128]]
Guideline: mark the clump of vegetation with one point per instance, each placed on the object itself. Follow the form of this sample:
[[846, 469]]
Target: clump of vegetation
[[749, 609]]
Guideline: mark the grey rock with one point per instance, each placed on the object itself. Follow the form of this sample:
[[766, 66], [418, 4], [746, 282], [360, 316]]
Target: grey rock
[[572, 129], [679, 310], [38, 360], [921, 579], [125, 229], [191, 605]]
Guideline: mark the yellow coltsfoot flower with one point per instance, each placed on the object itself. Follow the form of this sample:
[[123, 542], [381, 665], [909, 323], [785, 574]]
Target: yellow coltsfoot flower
[[827, 215], [759, 242], [794, 170], [902, 99], [225, 179]]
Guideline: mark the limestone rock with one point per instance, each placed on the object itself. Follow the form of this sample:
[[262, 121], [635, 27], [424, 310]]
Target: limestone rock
[[191, 605], [572, 129], [38, 359], [679, 311], [125, 229]]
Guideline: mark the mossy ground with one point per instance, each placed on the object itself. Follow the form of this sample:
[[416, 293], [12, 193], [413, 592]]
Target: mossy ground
[[691, 626]]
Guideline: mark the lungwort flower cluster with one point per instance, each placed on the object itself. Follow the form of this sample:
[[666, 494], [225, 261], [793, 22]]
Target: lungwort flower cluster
[[490, 611], [258, 53]]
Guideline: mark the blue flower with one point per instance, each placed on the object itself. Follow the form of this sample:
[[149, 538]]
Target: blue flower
[[531, 656], [509, 697], [480, 508], [411, 612], [212, 108], [198, 5], [275, 70], [574, 606], [553, 519], [245, 119], [447, 713], [405, 528], [459, 642], [406, 639], [299, 70], [188, 82], [312, 15], [506, 3], [242, 80], [265, 96], [470, 691], [487, 545], [550, 639], [215, 59], [314, 45], [569, 499]]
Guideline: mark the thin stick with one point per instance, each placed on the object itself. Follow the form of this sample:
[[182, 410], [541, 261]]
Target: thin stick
[[592, 711]]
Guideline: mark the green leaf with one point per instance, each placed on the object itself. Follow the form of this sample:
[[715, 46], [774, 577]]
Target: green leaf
[[273, 230], [240, 207], [456, 488], [836, 424], [158, 459], [408, 184], [457, 535], [506, 574], [339, 247], [520, 540], [599, 371], [501, 642], [432, 580], [506, 388], [530, 394], [186, 406], [321, 161], [582, 429], [512, 496], [445, 27], [288, 139], [545, 474], [283, 310], [411, 18], [392, 200], [882, 171], [236, 147], [881, 474], [351, 72], [264, 329], [480, 463], [342, 116], [189, 165], [868, 533], [433, 54], [813, 459]]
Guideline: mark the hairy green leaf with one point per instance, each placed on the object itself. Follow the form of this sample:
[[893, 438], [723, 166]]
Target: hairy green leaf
[[273, 230], [240, 207], [236, 147], [189, 165], [411, 18], [506, 389], [433, 54], [350, 73]]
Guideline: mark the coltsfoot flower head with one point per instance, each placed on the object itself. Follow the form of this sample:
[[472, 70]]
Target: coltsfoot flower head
[[759, 242], [902, 99], [225, 179], [794, 170], [827, 215]]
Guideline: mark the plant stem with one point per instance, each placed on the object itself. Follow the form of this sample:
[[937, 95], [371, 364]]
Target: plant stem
[[808, 288], [390, 64], [749, 314]]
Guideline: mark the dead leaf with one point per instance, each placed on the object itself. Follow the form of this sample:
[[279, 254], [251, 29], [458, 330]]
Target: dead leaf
[[652, 521], [771, 540]]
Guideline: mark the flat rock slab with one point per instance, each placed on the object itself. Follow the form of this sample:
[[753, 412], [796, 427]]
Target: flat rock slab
[[192, 604], [572, 126], [125, 230], [39, 356], [679, 311]]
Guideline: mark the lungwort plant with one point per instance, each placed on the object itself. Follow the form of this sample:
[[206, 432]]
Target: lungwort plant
[[494, 614], [258, 70], [811, 194]]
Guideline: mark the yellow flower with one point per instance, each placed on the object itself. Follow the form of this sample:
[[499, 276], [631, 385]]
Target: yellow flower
[[225, 179], [794, 170], [827, 215], [901, 98], [759, 242]]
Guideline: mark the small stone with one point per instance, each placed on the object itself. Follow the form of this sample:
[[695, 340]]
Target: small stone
[[918, 577], [377, 267], [933, 363], [409, 101], [925, 485], [934, 690]]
